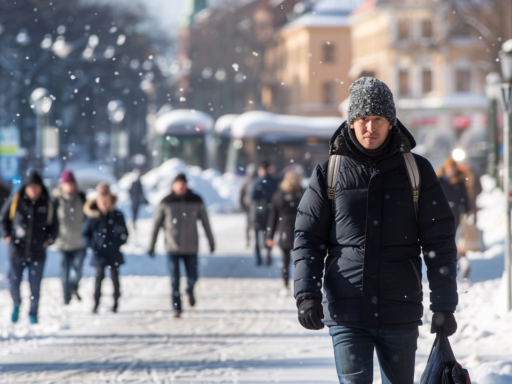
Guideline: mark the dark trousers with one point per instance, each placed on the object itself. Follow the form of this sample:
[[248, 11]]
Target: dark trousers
[[35, 275], [259, 239], [100, 275], [135, 211], [71, 271], [286, 265], [353, 354], [190, 262]]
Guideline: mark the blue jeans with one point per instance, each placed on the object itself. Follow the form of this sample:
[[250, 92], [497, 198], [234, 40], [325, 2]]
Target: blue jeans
[[190, 262], [353, 352], [71, 271], [35, 275]]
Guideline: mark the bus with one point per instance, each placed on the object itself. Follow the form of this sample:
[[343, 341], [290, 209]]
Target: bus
[[222, 138], [283, 140], [185, 134]]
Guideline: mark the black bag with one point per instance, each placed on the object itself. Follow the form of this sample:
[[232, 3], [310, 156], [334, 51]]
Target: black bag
[[442, 368]]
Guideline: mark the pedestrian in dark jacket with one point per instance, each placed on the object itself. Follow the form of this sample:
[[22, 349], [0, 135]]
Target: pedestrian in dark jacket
[[4, 193], [244, 198], [178, 213], [373, 241], [453, 182], [261, 201], [70, 204], [29, 226], [282, 215], [104, 233], [136, 196]]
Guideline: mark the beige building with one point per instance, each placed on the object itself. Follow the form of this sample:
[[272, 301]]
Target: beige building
[[307, 63], [434, 63]]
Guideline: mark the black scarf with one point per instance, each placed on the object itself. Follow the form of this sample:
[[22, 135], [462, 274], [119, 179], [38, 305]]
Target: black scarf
[[373, 154]]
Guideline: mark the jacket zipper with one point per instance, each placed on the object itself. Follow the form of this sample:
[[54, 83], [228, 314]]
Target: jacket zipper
[[28, 241], [417, 276]]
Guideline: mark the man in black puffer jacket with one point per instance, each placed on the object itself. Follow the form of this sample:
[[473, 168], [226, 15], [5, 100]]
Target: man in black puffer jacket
[[373, 241]]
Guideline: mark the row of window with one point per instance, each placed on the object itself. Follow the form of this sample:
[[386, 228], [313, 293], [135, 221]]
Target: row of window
[[462, 81], [405, 32]]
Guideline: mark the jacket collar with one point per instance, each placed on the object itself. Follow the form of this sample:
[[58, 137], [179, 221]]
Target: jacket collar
[[92, 211]]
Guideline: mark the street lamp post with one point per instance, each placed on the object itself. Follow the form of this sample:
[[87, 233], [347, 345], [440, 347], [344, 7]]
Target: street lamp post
[[493, 92], [506, 101], [41, 101], [116, 112]]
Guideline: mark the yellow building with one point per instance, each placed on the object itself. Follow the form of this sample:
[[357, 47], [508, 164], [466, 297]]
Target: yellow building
[[307, 63], [434, 63]]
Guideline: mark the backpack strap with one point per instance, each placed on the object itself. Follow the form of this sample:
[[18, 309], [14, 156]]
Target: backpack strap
[[333, 168], [49, 218], [413, 174], [14, 206]]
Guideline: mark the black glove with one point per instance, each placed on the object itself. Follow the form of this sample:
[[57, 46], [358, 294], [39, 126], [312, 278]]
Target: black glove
[[445, 320], [151, 253], [311, 314]]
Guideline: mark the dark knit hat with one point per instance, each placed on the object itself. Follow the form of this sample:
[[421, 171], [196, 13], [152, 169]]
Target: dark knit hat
[[371, 97], [180, 177], [67, 176], [33, 177]]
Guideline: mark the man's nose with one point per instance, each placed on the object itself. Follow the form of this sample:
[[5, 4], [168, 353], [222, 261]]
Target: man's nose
[[369, 127]]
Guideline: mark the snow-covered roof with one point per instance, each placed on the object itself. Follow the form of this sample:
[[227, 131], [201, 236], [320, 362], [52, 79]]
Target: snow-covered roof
[[326, 13], [257, 123], [182, 121], [223, 124]]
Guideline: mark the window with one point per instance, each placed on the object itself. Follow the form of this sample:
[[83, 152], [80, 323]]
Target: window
[[427, 31], [329, 93], [403, 82], [462, 31], [403, 30], [426, 81], [329, 53], [367, 74], [463, 81]]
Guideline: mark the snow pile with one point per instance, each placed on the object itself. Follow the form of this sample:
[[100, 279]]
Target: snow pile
[[219, 192], [497, 372]]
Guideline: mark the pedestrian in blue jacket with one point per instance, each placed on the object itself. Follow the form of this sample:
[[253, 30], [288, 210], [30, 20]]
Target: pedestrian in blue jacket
[[373, 232], [104, 233]]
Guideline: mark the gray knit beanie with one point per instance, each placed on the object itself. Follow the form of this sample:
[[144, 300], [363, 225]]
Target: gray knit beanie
[[371, 97]]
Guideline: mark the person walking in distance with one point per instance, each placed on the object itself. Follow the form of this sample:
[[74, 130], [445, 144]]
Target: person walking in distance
[[261, 201], [4, 192], [373, 209], [281, 218], [29, 225], [70, 204], [244, 198], [136, 196], [178, 213], [104, 233]]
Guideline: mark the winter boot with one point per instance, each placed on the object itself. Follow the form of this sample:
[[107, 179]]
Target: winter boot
[[78, 297], [176, 314], [15, 313], [33, 319], [114, 308], [96, 305], [191, 299]]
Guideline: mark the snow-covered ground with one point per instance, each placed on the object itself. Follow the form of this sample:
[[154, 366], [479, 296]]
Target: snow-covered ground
[[243, 329]]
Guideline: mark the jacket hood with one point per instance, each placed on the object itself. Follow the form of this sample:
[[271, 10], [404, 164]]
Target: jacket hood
[[403, 140], [92, 211]]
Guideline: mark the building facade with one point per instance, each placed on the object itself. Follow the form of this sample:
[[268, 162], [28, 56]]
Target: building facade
[[308, 60], [434, 63]]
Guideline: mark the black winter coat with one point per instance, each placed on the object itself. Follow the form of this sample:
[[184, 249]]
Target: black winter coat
[[261, 199], [373, 242], [104, 234], [4, 194], [281, 218], [34, 223]]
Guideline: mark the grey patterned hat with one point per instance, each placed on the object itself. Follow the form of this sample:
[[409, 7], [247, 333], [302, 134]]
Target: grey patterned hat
[[371, 97]]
